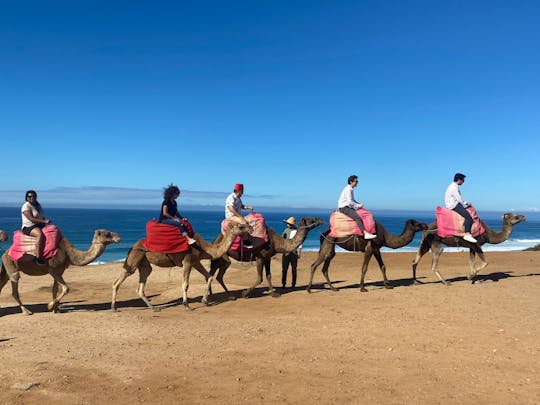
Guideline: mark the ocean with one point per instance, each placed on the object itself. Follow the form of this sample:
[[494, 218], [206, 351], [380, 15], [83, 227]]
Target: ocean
[[78, 225]]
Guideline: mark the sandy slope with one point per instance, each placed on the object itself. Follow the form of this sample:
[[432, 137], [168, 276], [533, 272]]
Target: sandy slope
[[466, 343]]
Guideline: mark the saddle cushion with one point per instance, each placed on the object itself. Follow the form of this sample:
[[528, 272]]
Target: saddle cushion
[[342, 225], [25, 244], [450, 223], [258, 237], [163, 238]]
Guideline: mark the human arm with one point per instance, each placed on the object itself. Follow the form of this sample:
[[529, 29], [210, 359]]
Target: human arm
[[34, 220], [165, 212]]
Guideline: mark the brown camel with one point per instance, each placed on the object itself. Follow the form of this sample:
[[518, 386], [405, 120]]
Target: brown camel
[[55, 266], [432, 241], [3, 236], [140, 258], [356, 243], [262, 255]]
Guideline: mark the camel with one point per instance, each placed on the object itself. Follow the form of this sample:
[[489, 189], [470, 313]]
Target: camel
[[262, 255], [3, 236], [140, 258], [356, 243], [432, 241], [55, 266]]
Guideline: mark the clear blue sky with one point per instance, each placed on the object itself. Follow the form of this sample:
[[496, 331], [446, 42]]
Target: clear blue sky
[[110, 101]]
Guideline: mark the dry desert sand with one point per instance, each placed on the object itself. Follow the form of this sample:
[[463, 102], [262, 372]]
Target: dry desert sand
[[430, 344]]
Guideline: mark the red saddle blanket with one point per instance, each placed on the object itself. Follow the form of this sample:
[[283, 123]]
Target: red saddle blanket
[[450, 223], [258, 237], [25, 244], [342, 225], [163, 238]]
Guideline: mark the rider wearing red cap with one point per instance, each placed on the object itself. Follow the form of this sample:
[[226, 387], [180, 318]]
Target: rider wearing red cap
[[234, 205]]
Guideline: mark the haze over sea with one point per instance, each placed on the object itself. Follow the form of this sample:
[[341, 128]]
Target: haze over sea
[[78, 225]]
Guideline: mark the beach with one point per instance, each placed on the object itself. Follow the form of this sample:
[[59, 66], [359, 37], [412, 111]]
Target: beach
[[429, 343]]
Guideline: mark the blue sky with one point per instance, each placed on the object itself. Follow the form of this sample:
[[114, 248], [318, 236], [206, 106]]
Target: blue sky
[[107, 102]]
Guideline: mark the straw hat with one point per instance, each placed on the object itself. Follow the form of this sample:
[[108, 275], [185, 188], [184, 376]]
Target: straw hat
[[290, 221]]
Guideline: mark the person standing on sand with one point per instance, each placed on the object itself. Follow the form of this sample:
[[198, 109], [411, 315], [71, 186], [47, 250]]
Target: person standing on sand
[[33, 221], [234, 207], [348, 206], [454, 201], [169, 211], [290, 258]]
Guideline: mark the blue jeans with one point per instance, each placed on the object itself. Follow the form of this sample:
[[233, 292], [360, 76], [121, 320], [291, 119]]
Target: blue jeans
[[460, 209], [172, 222]]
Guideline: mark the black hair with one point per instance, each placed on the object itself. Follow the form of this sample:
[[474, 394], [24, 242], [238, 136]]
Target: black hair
[[352, 178], [170, 191], [36, 203], [459, 176]]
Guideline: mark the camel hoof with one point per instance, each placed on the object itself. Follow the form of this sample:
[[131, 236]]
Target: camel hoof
[[275, 294], [52, 307], [388, 286], [156, 309], [245, 294], [114, 310], [363, 289], [26, 312], [231, 298], [417, 282], [187, 308], [334, 289], [308, 290]]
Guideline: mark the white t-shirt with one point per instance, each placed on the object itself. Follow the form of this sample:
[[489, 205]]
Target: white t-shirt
[[452, 197], [36, 213], [235, 202]]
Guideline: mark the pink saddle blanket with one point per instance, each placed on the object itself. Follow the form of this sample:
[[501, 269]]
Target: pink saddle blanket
[[450, 223], [164, 238], [26, 245], [342, 225], [258, 237]]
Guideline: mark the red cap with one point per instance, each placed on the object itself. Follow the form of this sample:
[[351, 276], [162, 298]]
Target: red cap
[[238, 187]]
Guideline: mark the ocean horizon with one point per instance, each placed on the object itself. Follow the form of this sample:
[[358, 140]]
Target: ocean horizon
[[78, 226]]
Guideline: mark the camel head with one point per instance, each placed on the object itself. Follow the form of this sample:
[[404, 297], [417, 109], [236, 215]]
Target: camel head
[[310, 223], [3, 236], [105, 237], [240, 229], [416, 226], [512, 218]]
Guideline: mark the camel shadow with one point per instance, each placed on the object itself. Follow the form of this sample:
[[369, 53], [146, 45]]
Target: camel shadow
[[483, 278]]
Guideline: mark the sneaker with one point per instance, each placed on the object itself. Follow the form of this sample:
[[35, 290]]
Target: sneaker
[[40, 261], [191, 241], [368, 235], [469, 238]]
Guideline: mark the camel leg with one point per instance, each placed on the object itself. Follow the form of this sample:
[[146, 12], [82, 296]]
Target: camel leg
[[482, 258], [425, 245], [247, 292], [367, 257], [208, 277], [221, 265], [268, 273], [145, 269], [382, 266], [327, 252], [17, 298], [436, 250], [3, 278], [185, 285], [58, 279]]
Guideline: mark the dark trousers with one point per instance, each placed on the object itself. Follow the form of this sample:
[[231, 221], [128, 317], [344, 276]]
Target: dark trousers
[[352, 213], [460, 209], [291, 259]]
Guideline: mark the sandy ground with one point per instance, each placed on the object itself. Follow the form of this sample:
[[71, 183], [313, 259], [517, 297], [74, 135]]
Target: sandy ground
[[431, 344]]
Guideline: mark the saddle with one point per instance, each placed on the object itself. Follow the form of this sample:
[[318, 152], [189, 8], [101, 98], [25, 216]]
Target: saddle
[[450, 223], [342, 225], [24, 246], [164, 238]]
